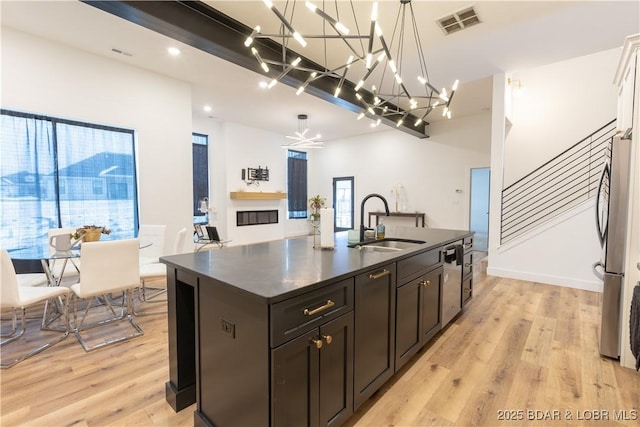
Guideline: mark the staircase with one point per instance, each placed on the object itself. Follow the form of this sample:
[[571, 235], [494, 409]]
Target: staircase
[[565, 181]]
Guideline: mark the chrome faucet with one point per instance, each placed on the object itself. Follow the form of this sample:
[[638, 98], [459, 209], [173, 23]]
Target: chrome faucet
[[386, 209]]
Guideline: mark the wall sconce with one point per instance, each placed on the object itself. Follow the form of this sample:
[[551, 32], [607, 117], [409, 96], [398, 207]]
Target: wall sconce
[[516, 86]]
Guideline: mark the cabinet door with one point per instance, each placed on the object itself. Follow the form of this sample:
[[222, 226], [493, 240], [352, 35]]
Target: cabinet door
[[431, 287], [336, 371], [294, 382], [408, 320], [375, 302], [467, 289]]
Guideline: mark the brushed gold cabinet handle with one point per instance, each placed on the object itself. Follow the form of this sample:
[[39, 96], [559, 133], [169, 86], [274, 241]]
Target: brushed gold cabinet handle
[[317, 310], [383, 273], [425, 283], [317, 342], [467, 291], [328, 338], [467, 264]]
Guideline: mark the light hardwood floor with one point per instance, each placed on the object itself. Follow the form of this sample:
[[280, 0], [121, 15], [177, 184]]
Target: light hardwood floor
[[521, 354]]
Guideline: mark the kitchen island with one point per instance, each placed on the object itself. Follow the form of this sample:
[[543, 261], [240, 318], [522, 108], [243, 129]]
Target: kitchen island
[[280, 333]]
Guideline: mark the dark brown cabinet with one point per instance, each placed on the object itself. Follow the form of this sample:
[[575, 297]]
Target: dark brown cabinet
[[312, 376], [417, 314], [467, 270], [294, 351], [375, 297]]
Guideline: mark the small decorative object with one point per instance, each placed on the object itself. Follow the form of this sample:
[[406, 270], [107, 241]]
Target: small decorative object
[[90, 233], [253, 176], [316, 203], [396, 191]]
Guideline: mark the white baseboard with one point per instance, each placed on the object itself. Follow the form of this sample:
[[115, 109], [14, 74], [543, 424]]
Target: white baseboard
[[585, 285]]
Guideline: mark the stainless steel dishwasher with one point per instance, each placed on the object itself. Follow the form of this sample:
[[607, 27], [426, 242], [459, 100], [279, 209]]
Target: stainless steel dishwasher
[[452, 281]]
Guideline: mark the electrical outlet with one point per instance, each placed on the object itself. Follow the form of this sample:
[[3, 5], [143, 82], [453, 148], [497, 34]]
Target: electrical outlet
[[228, 327]]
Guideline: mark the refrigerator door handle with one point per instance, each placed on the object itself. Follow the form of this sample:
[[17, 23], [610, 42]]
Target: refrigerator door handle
[[602, 228], [599, 273]]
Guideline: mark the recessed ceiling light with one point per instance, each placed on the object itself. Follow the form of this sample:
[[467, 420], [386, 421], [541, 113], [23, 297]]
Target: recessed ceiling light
[[207, 108], [173, 51]]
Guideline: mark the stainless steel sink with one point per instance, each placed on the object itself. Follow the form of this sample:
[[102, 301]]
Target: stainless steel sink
[[387, 245]]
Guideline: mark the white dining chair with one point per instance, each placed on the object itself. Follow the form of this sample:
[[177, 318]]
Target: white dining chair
[[153, 238], [157, 271], [18, 298], [107, 267], [60, 240]]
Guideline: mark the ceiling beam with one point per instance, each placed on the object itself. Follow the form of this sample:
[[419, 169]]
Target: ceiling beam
[[203, 27]]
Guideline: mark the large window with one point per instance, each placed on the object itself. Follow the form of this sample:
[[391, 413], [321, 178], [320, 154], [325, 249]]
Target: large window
[[60, 173], [200, 145], [297, 183]]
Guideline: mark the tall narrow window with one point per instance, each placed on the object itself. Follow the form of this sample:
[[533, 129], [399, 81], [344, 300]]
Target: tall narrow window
[[60, 173], [200, 178], [297, 183], [343, 203]]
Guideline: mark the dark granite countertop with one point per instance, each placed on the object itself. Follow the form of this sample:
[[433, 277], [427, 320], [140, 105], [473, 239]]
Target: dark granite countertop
[[281, 269]]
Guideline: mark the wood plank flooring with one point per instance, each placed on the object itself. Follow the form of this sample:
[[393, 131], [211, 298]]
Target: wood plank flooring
[[521, 354]]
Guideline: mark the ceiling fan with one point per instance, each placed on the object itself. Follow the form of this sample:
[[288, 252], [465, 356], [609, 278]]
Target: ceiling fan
[[301, 140]]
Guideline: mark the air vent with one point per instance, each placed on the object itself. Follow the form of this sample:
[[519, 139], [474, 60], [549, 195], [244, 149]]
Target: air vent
[[458, 21]]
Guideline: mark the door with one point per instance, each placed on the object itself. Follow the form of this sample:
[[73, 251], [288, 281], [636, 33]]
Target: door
[[294, 382], [375, 297], [479, 207], [336, 371], [343, 203]]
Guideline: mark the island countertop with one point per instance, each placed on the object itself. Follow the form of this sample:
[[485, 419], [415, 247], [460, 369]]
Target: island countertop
[[280, 269]]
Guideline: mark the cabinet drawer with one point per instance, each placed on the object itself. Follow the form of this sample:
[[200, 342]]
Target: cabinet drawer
[[408, 268], [468, 243], [300, 314], [467, 264]]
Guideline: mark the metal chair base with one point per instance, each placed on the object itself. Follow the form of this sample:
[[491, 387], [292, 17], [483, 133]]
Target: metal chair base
[[15, 334], [124, 316]]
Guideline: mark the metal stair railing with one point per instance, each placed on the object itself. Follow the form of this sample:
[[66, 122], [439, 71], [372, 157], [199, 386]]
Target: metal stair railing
[[556, 186]]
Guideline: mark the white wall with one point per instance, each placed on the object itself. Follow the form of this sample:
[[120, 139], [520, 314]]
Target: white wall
[[562, 103], [430, 170], [46, 78], [249, 147]]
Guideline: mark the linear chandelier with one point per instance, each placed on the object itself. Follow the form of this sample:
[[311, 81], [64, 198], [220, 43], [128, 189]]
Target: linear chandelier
[[301, 139], [387, 66]]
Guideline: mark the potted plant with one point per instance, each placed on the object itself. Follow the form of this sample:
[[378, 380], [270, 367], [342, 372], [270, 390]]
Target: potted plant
[[90, 233], [316, 203]]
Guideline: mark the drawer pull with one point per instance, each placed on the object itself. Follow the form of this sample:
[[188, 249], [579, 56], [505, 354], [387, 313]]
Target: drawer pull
[[328, 338], [468, 245], [425, 283], [317, 310], [467, 291], [467, 264], [383, 273], [317, 343]]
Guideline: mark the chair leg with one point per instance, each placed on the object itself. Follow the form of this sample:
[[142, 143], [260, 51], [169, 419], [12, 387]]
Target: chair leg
[[37, 350], [142, 292], [124, 316], [13, 335]]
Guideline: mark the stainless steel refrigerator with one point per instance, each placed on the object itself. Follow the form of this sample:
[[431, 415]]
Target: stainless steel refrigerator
[[611, 220]]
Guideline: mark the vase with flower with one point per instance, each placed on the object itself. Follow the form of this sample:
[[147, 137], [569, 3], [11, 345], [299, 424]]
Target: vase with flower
[[90, 233]]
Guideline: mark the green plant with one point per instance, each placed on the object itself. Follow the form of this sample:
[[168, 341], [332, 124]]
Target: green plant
[[81, 231], [316, 203]]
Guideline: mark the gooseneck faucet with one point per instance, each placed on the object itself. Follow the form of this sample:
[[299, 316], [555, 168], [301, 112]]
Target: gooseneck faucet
[[386, 210]]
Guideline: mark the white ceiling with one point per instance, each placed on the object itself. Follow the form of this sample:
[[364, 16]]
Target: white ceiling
[[513, 36]]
